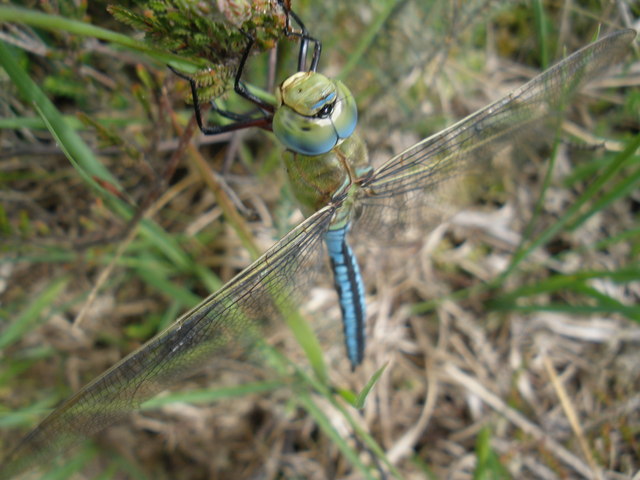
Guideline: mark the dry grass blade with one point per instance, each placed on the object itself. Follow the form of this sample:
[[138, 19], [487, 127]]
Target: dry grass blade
[[468, 348]]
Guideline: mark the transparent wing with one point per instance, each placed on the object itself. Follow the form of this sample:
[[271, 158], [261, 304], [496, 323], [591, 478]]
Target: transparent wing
[[226, 318], [414, 189]]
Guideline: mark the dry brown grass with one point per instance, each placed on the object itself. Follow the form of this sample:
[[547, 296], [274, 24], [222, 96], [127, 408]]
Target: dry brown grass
[[554, 381]]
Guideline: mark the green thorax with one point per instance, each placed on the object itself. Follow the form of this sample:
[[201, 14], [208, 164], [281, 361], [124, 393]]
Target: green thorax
[[315, 120], [316, 180]]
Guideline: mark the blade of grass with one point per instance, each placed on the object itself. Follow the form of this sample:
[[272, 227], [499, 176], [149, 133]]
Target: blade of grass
[[577, 283], [488, 466], [57, 23], [86, 164], [620, 161], [214, 394], [33, 313], [323, 389], [627, 185], [366, 39], [542, 29], [324, 423]]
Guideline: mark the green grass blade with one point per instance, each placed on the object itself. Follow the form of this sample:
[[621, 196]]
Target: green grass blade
[[620, 161], [213, 395], [488, 466], [33, 313], [82, 158], [325, 424], [57, 23]]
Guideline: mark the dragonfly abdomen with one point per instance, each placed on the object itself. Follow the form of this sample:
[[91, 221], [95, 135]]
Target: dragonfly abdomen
[[350, 288]]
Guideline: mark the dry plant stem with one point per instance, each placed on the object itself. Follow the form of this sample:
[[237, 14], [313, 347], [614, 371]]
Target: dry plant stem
[[143, 211], [404, 446], [235, 141], [104, 275], [129, 233], [184, 137], [214, 182], [452, 373], [571, 415]]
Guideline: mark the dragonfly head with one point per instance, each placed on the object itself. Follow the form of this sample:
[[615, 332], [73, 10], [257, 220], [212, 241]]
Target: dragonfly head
[[314, 113]]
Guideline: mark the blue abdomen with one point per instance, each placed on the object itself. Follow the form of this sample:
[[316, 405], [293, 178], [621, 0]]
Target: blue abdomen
[[348, 282]]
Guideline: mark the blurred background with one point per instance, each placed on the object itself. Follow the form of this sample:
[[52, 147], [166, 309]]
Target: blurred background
[[528, 375]]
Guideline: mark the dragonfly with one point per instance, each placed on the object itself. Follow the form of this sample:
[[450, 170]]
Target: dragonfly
[[342, 196]]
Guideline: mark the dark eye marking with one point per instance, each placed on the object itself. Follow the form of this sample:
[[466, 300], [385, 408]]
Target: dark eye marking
[[326, 110]]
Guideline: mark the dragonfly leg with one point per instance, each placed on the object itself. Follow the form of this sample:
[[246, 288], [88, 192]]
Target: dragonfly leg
[[305, 39], [240, 88], [240, 121], [236, 117]]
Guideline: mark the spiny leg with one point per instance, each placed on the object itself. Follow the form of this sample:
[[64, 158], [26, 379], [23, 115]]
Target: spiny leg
[[305, 39], [241, 121]]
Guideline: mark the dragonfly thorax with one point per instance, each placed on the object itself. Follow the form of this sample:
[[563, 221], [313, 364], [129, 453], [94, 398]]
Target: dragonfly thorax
[[313, 113]]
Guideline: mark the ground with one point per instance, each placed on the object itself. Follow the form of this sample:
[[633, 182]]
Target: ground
[[508, 333]]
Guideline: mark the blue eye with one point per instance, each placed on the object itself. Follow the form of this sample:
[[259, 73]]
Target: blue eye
[[314, 113]]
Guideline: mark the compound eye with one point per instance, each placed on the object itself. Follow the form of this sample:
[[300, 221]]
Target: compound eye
[[326, 111], [314, 113]]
